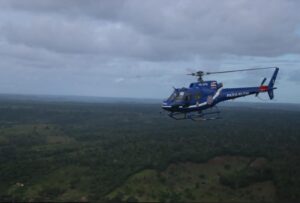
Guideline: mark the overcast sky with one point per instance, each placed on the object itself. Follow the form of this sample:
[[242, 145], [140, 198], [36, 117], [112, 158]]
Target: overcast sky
[[141, 49]]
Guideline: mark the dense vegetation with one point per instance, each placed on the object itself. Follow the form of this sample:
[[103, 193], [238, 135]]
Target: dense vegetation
[[221, 179], [71, 151]]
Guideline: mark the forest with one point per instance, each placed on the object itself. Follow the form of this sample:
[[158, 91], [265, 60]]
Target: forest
[[86, 151]]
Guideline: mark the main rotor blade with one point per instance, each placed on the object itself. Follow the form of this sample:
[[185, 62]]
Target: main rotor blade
[[239, 70]]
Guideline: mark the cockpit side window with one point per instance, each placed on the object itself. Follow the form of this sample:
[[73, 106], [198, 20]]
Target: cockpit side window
[[180, 96]]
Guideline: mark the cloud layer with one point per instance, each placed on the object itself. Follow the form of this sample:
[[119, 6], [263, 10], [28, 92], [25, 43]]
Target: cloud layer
[[133, 43]]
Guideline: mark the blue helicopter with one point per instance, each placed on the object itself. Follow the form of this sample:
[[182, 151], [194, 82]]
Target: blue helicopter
[[198, 101]]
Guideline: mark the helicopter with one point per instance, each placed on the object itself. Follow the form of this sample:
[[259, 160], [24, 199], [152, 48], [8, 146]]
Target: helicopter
[[199, 100]]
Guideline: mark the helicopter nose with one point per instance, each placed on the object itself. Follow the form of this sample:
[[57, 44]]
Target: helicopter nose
[[166, 106]]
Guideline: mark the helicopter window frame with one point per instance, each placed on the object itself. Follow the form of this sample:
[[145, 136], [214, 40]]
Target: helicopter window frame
[[188, 97]]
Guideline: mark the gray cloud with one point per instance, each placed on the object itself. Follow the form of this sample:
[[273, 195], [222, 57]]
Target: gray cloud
[[157, 30]]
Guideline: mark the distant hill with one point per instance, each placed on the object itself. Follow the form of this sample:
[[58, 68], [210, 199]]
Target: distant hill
[[62, 98]]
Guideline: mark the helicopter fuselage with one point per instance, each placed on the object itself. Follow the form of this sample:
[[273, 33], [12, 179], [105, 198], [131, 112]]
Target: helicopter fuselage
[[203, 95]]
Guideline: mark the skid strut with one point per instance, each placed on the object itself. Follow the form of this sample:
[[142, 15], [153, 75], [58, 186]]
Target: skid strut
[[205, 115]]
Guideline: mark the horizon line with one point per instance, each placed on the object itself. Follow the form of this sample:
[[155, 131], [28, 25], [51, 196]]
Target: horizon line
[[131, 98]]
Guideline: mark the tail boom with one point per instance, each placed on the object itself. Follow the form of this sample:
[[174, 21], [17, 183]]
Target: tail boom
[[232, 93]]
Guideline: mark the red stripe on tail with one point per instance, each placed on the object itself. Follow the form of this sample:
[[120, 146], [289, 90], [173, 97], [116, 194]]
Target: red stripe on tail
[[263, 88]]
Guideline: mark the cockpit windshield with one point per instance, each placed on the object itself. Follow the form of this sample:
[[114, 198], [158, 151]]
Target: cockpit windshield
[[173, 96], [177, 96]]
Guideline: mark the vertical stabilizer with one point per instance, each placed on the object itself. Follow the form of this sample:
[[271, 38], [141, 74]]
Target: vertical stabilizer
[[271, 84]]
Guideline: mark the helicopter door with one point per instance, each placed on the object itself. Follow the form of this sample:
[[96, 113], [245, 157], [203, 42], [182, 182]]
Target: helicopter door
[[197, 96], [187, 100]]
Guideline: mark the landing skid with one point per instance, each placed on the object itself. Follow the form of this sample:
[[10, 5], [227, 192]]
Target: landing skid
[[211, 114], [178, 116]]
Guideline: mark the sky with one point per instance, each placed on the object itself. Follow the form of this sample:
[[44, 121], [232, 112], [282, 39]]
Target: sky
[[141, 49]]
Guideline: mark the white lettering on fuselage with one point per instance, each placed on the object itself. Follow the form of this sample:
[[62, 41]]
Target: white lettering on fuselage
[[236, 94], [202, 84]]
